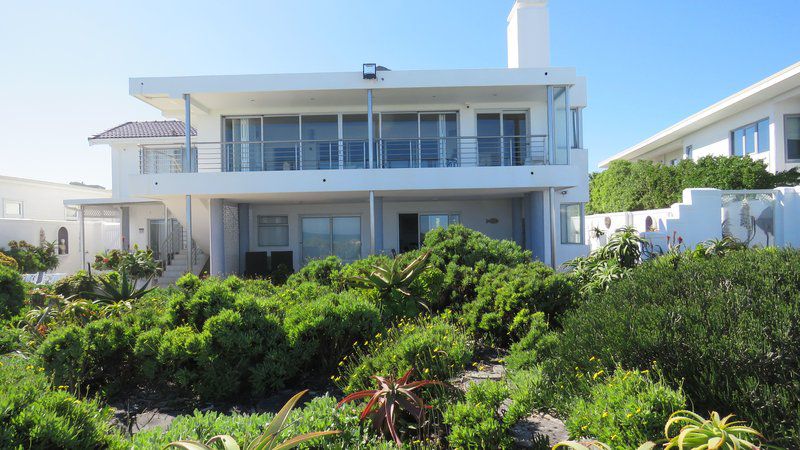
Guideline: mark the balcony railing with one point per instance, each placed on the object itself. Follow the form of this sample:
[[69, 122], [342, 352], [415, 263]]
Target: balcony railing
[[258, 156]]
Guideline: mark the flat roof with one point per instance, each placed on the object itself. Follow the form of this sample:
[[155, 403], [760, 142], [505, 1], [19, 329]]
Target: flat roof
[[165, 93], [772, 86]]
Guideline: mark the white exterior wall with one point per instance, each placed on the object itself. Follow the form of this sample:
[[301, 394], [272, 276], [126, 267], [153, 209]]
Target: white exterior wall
[[715, 139]]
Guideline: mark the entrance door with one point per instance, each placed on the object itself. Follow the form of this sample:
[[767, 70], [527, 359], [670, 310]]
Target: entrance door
[[409, 232], [165, 241]]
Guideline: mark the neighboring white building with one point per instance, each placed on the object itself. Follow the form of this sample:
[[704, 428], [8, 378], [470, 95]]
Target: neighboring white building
[[762, 121], [299, 166], [34, 211]]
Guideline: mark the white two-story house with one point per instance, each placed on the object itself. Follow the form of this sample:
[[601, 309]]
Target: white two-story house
[[761, 121], [282, 168]]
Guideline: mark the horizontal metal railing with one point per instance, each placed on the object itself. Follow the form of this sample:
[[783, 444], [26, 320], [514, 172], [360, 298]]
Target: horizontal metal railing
[[388, 153]]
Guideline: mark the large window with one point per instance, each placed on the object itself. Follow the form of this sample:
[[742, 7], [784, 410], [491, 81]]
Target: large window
[[12, 208], [503, 139], [792, 132], [273, 231], [325, 236], [571, 223], [751, 138]]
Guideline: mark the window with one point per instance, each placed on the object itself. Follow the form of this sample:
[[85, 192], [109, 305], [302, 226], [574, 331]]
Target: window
[[687, 152], [71, 213], [428, 222], [577, 128], [12, 208], [792, 133], [273, 231], [63, 241], [503, 139], [571, 223], [326, 236], [413, 227], [751, 138]]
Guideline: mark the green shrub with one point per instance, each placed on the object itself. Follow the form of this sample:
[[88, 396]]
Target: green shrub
[[323, 331], [538, 344], [8, 261], [80, 284], [476, 423], [209, 299], [435, 348], [12, 292], [639, 185], [108, 345], [33, 258], [62, 353], [145, 354], [189, 284], [324, 271], [626, 410], [507, 298], [463, 255], [738, 314], [179, 351], [34, 415], [11, 338]]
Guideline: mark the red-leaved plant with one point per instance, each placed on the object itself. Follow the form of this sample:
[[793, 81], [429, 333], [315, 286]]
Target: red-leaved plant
[[392, 396]]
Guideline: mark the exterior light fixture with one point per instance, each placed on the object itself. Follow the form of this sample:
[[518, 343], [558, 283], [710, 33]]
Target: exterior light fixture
[[370, 71]]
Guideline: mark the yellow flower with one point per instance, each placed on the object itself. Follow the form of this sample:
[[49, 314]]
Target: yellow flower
[[597, 374], [585, 427], [613, 436], [605, 413], [426, 371], [592, 358], [628, 416], [638, 410]]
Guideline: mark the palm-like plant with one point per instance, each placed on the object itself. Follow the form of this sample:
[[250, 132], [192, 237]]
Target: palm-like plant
[[392, 396], [394, 277], [269, 440], [712, 433], [721, 247], [121, 289]]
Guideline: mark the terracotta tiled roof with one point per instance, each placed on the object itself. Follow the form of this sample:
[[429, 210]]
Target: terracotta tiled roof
[[148, 129]]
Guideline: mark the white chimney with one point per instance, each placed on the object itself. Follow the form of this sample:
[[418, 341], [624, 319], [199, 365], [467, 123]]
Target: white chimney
[[528, 34]]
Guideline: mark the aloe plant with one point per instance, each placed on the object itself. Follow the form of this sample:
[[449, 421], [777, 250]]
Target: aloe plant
[[712, 433], [392, 396], [269, 440], [123, 289], [394, 278], [595, 445]]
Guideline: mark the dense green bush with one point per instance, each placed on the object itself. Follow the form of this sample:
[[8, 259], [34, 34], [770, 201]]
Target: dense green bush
[[538, 344], [8, 261], [633, 186], [34, 415], [107, 354], [625, 409], [507, 298], [32, 258], [80, 283], [323, 331], [62, 353], [12, 292], [193, 309], [738, 314], [435, 348], [476, 422], [462, 255], [324, 271]]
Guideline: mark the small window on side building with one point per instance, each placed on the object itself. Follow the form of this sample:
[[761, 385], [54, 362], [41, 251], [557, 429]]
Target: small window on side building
[[273, 231], [571, 223]]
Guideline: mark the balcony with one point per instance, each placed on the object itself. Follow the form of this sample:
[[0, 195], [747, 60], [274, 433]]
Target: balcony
[[342, 154]]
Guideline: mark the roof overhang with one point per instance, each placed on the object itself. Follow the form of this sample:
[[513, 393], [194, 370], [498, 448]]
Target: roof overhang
[[766, 89], [224, 92]]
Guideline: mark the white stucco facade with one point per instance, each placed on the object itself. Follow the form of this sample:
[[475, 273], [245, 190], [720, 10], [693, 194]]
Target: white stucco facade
[[34, 211], [770, 108]]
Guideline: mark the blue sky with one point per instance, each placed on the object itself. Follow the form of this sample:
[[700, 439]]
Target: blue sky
[[65, 65]]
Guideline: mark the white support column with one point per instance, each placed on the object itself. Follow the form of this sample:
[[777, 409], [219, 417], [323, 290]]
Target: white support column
[[189, 249], [370, 129], [217, 237], [371, 222], [187, 154], [552, 201], [82, 237]]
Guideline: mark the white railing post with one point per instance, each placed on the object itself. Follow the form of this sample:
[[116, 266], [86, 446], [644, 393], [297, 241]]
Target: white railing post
[[370, 131]]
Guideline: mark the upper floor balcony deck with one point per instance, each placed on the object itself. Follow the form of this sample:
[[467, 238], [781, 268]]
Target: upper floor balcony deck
[[343, 154]]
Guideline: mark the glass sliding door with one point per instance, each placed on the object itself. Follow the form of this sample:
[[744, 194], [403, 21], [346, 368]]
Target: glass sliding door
[[346, 240], [489, 139], [561, 125], [515, 131], [242, 152], [438, 143], [503, 138], [399, 143], [320, 136], [355, 135], [281, 148], [326, 236]]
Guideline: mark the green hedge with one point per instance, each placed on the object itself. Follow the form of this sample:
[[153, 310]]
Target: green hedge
[[633, 186], [12, 292], [729, 327]]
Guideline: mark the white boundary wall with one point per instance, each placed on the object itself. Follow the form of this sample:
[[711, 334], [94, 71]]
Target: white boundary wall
[[698, 218]]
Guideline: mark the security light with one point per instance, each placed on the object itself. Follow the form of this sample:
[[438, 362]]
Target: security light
[[370, 71]]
